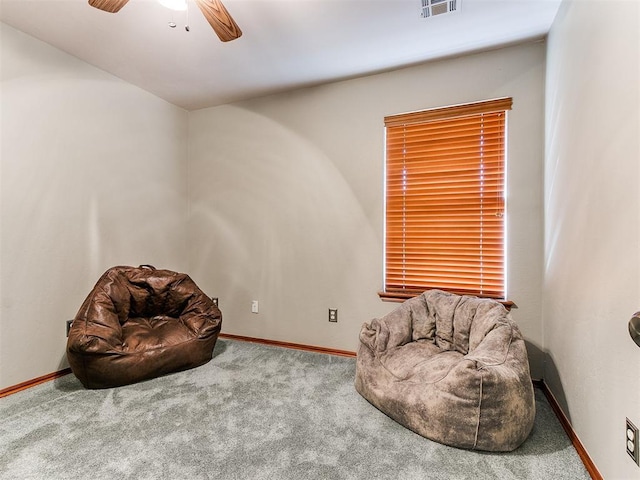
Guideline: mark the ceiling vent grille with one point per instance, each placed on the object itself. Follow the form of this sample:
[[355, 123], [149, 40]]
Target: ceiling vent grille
[[431, 8]]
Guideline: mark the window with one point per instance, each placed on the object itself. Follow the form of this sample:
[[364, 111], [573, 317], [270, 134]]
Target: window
[[445, 184]]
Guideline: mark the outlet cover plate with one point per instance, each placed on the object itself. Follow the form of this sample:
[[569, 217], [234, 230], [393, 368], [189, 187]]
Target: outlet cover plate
[[631, 441]]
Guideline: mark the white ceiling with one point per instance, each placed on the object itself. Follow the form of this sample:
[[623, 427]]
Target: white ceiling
[[285, 43]]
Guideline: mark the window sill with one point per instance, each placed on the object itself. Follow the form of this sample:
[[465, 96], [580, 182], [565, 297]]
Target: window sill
[[400, 297]]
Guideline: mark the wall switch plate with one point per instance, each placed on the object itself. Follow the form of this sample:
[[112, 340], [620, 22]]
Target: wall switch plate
[[333, 314], [215, 300], [69, 322], [254, 306], [631, 441]]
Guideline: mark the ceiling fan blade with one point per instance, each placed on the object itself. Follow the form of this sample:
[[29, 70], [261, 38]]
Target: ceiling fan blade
[[218, 17], [111, 6]]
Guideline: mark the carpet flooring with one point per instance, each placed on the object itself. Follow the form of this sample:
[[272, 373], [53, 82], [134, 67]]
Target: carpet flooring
[[253, 412]]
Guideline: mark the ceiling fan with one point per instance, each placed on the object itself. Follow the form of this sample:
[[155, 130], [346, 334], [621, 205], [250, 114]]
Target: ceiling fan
[[213, 10]]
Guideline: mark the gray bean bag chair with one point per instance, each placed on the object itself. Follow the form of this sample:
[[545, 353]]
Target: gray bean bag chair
[[451, 368]]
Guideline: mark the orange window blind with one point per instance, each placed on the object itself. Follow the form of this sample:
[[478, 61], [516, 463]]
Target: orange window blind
[[445, 200]]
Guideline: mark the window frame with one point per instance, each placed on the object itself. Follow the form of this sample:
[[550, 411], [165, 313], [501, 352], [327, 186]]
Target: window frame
[[501, 105]]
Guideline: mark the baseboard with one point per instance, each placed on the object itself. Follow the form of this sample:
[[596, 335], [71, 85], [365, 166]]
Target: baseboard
[[566, 424], [295, 346], [33, 382]]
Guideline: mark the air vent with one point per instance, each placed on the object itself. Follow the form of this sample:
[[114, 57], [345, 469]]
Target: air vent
[[431, 8]]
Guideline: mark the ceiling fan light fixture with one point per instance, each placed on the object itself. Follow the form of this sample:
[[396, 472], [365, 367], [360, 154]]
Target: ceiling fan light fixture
[[213, 10], [179, 5]]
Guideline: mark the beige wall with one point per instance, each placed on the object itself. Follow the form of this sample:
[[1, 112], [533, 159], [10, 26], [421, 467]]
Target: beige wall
[[286, 203], [92, 174], [286, 196], [592, 237]]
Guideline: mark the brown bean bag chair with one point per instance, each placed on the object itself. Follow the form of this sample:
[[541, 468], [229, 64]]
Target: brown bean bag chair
[[451, 368], [140, 323]]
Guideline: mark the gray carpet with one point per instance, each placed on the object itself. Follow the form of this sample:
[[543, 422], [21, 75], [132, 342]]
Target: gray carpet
[[253, 412]]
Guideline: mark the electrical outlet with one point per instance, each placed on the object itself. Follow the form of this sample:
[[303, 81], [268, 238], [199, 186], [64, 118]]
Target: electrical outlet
[[254, 306], [632, 441], [215, 300], [333, 314], [69, 322]]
